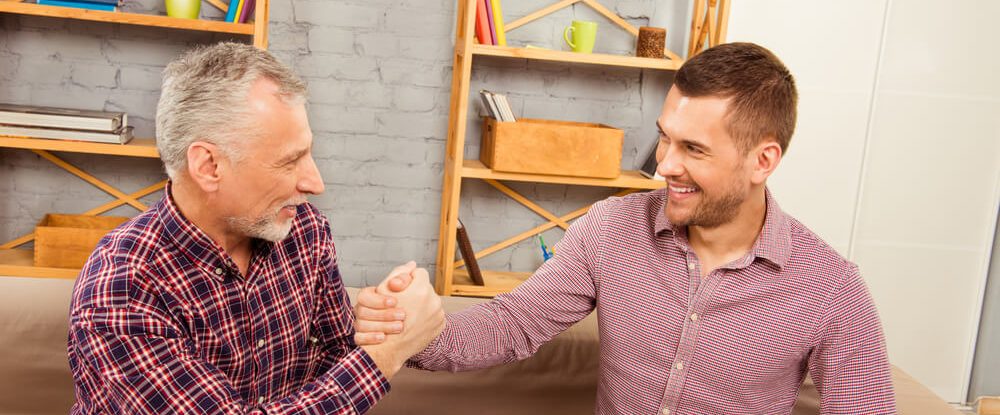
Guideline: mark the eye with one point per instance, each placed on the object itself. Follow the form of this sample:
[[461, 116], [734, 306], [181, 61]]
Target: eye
[[694, 149]]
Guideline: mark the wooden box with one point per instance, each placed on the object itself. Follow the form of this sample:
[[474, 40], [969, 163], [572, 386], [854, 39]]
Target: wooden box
[[552, 147], [66, 241]]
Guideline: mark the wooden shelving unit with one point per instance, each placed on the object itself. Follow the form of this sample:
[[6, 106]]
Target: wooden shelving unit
[[138, 147], [708, 26], [572, 57], [126, 18], [18, 262]]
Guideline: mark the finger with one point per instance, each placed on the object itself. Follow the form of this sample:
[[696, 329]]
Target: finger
[[400, 282], [365, 326], [369, 339], [402, 269], [367, 297], [421, 273], [392, 314]]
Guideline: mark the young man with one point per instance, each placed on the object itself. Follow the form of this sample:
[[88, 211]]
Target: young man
[[225, 296], [710, 299]]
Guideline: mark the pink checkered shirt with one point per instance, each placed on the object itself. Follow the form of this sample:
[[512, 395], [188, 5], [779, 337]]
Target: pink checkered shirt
[[739, 341], [161, 322]]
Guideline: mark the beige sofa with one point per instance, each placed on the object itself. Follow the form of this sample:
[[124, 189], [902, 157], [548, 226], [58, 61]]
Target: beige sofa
[[560, 379]]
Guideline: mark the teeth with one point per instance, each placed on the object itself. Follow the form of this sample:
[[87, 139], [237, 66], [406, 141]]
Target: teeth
[[682, 189]]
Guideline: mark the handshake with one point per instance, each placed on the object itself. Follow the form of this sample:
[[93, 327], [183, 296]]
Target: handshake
[[399, 318]]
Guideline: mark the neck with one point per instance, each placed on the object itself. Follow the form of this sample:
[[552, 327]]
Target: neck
[[194, 205], [732, 239]]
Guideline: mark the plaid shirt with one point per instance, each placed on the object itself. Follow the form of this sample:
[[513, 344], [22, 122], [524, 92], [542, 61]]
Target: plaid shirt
[[162, 322], [738, 341]]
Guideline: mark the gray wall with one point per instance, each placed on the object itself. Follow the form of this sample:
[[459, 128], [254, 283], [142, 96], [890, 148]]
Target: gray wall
[[379, 77], [985, 381]]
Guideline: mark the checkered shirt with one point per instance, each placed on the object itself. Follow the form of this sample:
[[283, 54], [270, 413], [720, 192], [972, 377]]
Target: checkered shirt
[[163, 322]]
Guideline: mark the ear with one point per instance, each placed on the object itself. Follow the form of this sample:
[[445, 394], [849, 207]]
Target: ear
[[204, 165], [764, 158]]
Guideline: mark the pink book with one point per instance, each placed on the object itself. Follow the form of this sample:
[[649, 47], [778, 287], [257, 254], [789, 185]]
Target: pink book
[[493, 27], [247, 11]]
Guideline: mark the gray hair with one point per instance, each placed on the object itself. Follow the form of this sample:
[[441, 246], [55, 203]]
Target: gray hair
[[203, 98]]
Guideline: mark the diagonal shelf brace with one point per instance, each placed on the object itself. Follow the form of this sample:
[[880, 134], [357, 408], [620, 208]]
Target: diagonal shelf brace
[[527, 203], [536, 230], [91, 179], [95, 211]]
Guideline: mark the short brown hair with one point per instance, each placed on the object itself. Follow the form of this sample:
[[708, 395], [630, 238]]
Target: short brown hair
[[762, 91]]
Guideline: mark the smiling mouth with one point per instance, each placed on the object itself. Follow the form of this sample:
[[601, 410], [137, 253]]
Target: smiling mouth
[[674, 188]]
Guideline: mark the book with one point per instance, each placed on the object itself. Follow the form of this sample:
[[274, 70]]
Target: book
[[465, 249], [231, 10], [648, 168], [489, 18], [482, 24], [501, 36], [247, 11], [239, 9], [80, 5], [506, 113], [118, 137], [491, 106], [32, 116]]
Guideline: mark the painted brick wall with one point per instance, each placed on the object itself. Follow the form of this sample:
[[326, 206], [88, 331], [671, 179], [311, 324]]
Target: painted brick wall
[[379, 75]]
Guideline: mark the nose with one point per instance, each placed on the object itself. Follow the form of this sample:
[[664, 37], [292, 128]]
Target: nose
[[672, 163], [310, 181]]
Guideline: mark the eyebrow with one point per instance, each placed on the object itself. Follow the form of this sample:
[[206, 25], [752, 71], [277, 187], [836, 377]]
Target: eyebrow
[[295, 156], [685, 141]]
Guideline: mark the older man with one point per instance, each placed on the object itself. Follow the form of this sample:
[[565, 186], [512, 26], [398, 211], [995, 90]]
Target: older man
[[710, 299], [225, 296]]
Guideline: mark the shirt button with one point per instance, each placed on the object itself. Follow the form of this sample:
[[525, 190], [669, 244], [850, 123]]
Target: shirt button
[[694, 316], [260, 343], [218, 271], [680, 365], [665, 411], [691, 266], [260, 400]]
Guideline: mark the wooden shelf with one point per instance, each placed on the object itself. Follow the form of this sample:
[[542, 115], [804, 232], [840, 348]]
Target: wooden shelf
[[497, 282], [573, 57], [629, 179], [126, 18], [18, 263], [138, 147]]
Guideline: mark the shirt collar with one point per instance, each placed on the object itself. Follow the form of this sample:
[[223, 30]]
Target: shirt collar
[[773, 243], [191, 241]]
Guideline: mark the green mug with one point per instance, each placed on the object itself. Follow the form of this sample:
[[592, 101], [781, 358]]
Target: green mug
[[185, 9], [584, 35]]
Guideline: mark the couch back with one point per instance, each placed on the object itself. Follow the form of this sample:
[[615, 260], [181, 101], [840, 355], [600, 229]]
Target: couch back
[[560, 379]]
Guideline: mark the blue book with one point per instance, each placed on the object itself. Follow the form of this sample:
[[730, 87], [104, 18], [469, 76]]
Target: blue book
[[231, 11], [80, 5]]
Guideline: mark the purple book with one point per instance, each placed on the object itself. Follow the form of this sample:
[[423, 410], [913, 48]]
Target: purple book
[[247, 11]]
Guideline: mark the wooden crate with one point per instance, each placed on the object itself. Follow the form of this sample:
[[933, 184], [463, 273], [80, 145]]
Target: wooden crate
[[559, 148], [66, 241]]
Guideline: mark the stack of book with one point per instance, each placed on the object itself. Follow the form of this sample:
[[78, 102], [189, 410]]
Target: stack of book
[[64, 124], [497, 106], [240, 11], [489, 23], [104, 5]]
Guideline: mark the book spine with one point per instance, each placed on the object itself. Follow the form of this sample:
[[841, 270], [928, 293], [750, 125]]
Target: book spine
[[231, 10], [489, 18], [60, 121], [247, 11], [79, 5], [482, 23], [239, 9], [498, 23]]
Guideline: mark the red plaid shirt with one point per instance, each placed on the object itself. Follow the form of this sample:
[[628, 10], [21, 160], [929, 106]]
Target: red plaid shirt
[[738, 341], [163, 322]]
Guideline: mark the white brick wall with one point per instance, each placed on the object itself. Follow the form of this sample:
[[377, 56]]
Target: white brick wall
[[379, 75]]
